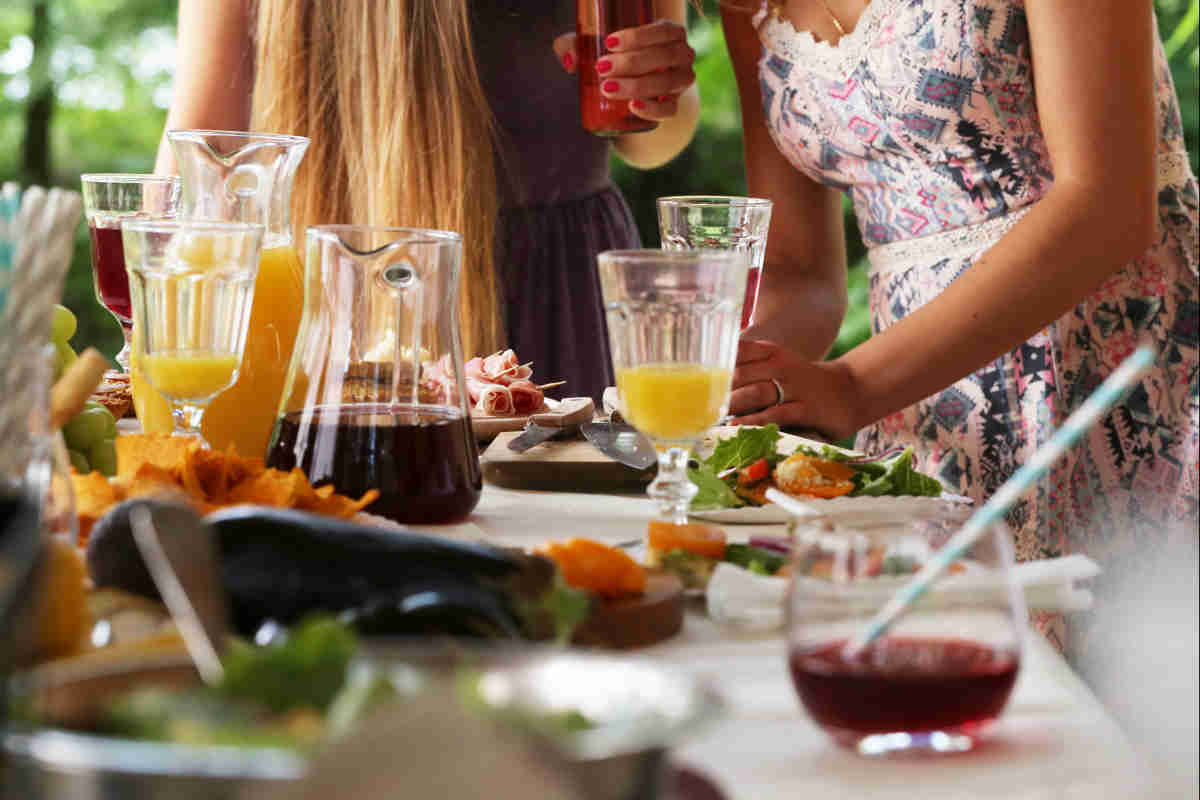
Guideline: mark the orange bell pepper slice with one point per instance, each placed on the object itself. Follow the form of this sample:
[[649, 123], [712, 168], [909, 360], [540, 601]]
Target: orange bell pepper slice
[[596, 567], [694, 537]]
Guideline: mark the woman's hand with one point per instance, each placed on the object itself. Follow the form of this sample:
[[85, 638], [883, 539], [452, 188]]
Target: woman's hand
[[650, 65], [819, 395]]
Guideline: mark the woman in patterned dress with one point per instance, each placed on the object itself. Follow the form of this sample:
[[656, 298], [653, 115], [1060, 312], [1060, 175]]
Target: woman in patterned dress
[[1021, 182]]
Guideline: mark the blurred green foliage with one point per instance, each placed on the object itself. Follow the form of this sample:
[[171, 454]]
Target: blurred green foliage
[[105, 68]]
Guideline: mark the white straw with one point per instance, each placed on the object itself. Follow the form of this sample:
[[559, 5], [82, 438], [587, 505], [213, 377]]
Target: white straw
[[1097, 404]]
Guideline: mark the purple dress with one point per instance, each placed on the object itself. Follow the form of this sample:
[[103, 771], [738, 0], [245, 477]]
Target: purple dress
[[559, 206]]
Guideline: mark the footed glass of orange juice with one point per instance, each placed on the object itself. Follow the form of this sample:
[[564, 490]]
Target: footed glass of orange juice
[[191, 287], [673, 323], [247, 177]]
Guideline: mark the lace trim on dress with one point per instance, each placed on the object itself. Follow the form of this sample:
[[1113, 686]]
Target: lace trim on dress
[[1174, 169], [961, 241], [835, 60]]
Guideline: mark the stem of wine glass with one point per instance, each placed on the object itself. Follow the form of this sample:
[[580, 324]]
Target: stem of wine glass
[[122, 357], [187, 418], [672, 489]]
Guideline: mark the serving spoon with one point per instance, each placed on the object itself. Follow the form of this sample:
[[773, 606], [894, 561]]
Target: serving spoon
[[180, 554]]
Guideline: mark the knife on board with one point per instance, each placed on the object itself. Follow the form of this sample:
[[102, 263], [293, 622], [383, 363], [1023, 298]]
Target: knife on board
[[564, 418], [621, 442]]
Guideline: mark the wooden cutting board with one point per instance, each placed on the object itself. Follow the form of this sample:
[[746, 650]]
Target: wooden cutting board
[[572, 465]]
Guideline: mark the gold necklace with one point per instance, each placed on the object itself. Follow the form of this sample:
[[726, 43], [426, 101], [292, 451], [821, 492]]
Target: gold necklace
[[777, 11]]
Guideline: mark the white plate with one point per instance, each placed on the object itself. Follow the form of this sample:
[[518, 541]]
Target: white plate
[[849, 511]]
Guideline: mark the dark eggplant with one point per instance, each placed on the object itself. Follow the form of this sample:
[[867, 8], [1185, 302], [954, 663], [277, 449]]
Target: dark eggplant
[[281, 565]]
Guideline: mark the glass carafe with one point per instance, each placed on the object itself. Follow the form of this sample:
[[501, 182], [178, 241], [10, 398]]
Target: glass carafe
[[244, 177], [375, 397]]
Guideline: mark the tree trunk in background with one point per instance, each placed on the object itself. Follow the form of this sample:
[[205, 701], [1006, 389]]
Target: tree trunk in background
[[39, 109]]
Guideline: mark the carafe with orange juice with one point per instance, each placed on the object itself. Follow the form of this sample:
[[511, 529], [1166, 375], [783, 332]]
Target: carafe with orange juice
[[244, 177]]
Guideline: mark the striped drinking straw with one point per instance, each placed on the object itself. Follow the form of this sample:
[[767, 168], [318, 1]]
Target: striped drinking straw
[[1100, 401]]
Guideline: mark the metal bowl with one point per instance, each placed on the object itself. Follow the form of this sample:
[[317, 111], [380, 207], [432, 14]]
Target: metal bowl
[[637, 711]]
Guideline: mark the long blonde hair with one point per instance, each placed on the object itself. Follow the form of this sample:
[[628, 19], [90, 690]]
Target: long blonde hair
[[401, 130]]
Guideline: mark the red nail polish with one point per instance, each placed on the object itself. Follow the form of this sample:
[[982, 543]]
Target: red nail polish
[[603, 66], [612, 42], [638, 104], [568, 61], [610, 86]]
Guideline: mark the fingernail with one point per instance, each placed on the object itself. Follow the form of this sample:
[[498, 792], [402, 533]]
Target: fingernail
[[610, 86], [603, 66], [612, 41], [638, 104], [568, 61]]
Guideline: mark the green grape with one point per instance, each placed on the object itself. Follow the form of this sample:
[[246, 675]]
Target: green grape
[[79, 462], [88, 427], [103, 456], [65, 358], [63, 327]]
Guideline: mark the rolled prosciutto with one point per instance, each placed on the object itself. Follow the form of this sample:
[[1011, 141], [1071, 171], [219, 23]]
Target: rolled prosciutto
[[526, 396]]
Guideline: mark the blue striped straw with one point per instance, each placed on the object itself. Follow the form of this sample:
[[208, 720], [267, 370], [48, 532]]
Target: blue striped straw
[[1107, 394], [10, 207]]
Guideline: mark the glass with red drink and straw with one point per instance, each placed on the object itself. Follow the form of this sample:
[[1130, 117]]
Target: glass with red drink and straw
[[107, 199], [938, 678], [722, 223]]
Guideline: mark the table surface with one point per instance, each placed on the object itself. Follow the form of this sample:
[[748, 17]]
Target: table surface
[[1055, 740]]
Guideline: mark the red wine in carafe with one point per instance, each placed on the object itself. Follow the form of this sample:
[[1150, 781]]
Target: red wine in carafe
[[423, 462], [904, 684], [108, 268]]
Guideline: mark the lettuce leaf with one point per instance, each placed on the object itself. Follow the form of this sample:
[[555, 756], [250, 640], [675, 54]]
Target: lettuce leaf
[[893, 476], [714, 492], [748, 446]]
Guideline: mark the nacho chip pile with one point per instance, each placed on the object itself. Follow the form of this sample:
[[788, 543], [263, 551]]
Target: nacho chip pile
[[157, 463]]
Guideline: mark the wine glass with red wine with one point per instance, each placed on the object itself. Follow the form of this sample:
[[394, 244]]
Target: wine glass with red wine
[[107, 199], [937, 678]]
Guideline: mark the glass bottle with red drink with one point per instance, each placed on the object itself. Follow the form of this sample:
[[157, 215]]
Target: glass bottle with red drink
[[596, 21]]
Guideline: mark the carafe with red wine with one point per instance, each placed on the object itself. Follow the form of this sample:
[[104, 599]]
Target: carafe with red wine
[[597, 19], [940, 675], [374, 397]]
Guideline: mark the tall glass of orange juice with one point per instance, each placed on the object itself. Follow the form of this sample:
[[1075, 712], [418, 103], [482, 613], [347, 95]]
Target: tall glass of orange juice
[[247, 177], [673, 323]]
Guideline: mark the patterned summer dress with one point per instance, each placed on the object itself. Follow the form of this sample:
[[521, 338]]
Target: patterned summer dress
[[925, 115]]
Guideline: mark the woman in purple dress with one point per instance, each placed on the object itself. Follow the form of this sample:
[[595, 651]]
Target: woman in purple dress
[[455, 115], [1030, 217]]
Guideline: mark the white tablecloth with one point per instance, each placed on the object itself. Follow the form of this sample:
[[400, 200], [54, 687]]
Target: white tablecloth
[[1054, 741]]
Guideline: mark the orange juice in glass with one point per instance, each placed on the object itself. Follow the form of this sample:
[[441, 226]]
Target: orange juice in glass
[[247, 177]]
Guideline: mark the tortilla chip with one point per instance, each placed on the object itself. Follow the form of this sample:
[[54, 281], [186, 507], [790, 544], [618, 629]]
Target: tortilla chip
[[94, 495], [337, 505], [211, 469], [160, 449]]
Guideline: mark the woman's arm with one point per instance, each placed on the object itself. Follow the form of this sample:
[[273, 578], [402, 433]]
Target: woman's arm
[[1094, 76], [214, 71], [802, 290]]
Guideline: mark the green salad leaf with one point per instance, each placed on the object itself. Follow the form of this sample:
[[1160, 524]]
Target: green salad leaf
[[894, 475], [749, 445], [713, 491]]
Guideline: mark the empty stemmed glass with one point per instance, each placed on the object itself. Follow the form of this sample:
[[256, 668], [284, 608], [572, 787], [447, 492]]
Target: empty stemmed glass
[[109, 198], [689, 222], [191, 285], [673, 330]]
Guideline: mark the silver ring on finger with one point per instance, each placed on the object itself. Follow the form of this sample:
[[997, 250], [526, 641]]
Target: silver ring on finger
[[780, 398]]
